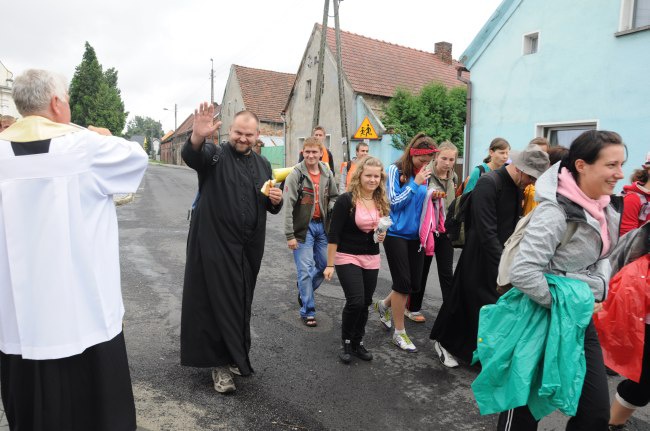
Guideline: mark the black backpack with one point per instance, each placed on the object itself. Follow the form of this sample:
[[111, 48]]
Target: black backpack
[[457, 219]]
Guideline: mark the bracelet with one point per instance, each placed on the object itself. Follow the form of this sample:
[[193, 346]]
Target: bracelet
[[329, 266]]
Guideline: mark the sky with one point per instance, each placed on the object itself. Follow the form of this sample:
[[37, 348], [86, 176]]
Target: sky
[[162, 49]]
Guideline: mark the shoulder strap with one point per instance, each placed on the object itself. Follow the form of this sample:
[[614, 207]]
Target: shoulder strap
[[481, 170]]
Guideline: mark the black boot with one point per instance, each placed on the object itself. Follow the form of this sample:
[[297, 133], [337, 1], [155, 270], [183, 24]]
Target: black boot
[[345, 354], [360, 351]]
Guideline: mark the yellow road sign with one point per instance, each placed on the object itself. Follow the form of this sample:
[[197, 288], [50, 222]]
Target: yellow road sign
[[365, 131]]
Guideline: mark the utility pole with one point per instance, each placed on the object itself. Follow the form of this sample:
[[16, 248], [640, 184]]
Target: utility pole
[[321, 61], [344, 121], [212, 83]]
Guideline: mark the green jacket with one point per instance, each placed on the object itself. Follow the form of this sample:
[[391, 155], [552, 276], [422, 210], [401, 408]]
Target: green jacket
[[298, 214], [532, 355]]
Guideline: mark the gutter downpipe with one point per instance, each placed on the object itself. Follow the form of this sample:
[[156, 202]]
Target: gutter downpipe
[[284, 135], [468, 117]]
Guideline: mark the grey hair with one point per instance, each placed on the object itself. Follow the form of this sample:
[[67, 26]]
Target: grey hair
[[34, 88]]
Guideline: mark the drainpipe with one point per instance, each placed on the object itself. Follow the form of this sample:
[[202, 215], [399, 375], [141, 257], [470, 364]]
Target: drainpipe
[[284, 135], [468, 117]]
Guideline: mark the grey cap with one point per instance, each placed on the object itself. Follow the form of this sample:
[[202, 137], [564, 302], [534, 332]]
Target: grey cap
[[532, 161]]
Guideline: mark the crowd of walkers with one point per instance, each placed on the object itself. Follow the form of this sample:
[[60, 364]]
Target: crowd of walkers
[[540, 226]]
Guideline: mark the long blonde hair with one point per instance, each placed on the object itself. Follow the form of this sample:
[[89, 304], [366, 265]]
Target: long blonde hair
[[379, 195]]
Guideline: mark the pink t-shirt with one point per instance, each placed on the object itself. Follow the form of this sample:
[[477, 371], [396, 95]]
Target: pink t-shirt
[[366, 222]]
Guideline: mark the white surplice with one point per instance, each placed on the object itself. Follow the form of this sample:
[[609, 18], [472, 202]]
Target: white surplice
[[59, 254]]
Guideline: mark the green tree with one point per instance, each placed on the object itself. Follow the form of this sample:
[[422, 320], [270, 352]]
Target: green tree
[[145, 126], [436, 111], [94, 96]]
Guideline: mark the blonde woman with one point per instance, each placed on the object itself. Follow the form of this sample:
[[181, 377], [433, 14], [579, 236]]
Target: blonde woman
[[354, 253]]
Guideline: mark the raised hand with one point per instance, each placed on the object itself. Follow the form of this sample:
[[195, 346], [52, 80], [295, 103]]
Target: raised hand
[[204, 124]]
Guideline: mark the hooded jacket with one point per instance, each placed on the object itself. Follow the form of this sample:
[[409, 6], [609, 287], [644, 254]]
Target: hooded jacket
[[633, 204], [578, 258]]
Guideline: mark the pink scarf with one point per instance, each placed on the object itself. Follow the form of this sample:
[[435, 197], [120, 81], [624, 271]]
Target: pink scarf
[[568, 188]]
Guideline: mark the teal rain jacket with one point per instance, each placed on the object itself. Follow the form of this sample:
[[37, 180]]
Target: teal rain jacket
[[532, 355]]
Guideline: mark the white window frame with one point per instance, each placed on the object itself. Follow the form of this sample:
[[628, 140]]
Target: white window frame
[[626, 19], [527, 42], [545, 129]]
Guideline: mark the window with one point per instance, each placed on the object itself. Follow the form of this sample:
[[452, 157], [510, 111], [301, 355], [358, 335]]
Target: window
[[531, 43], [564, 133], [635, 15], [308, 89]]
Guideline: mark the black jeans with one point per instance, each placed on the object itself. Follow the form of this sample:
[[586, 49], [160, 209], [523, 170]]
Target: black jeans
[[405, 260], [593, 407], [359, 286], [638, 394], [444, 253]]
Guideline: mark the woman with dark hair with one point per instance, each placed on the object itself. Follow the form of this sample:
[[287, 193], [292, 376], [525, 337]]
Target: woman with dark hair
[[575, 195], [354, 253], [636, 209], [499, 152], [407, 184]]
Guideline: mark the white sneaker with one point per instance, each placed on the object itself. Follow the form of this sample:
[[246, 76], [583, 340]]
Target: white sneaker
[[446, 358], [415, 316], [384, 314], [404, 342], [223, 381]]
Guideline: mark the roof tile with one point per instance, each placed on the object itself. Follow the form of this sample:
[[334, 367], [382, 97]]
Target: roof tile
[[265, 92]]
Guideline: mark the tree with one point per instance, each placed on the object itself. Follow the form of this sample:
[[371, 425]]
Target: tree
[[436, 111], [145, 126], [146, 146], [94, 96]]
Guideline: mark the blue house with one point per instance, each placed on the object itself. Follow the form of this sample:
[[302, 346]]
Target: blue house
[[556, 68]]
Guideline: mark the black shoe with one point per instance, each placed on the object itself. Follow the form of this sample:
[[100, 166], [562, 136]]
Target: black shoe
[[618, 427], [345, 353], [361, 352]]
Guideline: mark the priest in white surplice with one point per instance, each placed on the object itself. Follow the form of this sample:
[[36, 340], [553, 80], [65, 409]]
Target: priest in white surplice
[[63, 363]]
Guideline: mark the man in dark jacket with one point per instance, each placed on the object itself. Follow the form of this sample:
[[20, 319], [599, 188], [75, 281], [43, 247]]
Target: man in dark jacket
[[224, 247], [495, 208]]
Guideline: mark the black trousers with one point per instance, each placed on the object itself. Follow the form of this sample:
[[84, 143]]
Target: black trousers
[[593, 407], [359, 286], [88, 391], [444, 253], [405, 261], [638, 394]]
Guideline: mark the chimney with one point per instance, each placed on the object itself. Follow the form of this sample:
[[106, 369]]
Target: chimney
[[443, 51]]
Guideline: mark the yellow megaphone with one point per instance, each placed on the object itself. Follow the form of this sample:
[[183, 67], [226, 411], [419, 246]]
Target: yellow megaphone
[[281, 174]]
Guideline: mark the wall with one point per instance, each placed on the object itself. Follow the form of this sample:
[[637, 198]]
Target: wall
[[300, 109], [582, 71], [232, 103]]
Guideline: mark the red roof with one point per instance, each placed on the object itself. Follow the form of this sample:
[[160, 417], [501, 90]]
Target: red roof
[[265, 92], [377, 67]]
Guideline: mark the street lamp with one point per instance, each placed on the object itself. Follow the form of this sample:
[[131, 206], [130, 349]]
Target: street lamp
[[175, 114]]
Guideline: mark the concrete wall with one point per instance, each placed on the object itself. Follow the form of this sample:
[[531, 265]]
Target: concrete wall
[[582, 71], [300, 109], [232, 103]]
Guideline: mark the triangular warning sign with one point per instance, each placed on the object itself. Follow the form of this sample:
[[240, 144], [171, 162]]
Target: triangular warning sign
[[365, 131]]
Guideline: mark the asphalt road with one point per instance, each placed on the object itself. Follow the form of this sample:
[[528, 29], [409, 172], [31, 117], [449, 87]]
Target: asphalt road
[[299, 382]]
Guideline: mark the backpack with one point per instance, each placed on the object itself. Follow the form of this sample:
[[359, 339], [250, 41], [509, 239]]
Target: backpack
[[461, 187], [511, 247], [457, 220]]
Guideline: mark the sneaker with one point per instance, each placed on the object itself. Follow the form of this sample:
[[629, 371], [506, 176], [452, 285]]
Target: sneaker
[[415, 316], [384, 314], [345, 353], [361, 352], [234, 369], [404, 342], [223, 381], [445, 357]]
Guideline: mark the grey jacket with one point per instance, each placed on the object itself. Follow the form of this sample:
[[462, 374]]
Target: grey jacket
[[297, 215], [579, 258]]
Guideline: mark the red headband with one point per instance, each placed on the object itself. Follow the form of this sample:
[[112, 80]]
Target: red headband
[[422, 151]]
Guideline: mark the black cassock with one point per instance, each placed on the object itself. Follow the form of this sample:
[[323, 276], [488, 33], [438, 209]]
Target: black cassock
[[225, 246], [494, 212]]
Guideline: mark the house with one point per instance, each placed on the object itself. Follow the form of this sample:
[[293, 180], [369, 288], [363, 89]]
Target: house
[[263, 92], [557, 68], [372, 71], [171, 145], [7, 106]]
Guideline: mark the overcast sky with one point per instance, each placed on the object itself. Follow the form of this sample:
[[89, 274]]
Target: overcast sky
[[162, 48]]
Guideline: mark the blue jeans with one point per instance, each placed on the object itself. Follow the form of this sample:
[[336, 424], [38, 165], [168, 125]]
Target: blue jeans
[[311, 260]]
